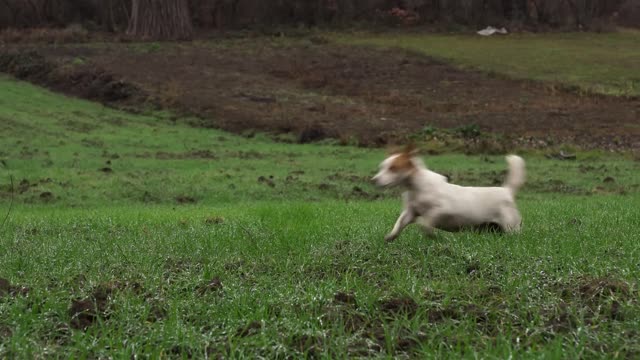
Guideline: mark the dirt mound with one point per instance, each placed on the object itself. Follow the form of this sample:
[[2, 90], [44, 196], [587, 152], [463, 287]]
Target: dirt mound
[[399, 305], [6, 288], [83, 81], [85, 312]]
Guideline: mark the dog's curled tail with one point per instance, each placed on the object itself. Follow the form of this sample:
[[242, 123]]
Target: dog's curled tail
[[516, 175]]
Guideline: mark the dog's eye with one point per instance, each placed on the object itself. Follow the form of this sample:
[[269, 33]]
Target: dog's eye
[[393, 167]]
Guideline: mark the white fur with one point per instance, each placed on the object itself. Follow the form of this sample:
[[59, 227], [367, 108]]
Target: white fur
[[435, 204]]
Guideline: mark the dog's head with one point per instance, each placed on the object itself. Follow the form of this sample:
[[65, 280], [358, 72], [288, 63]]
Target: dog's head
[[397, 168]]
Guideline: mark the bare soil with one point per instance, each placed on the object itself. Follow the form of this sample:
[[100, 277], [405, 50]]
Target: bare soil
[[314, 90]]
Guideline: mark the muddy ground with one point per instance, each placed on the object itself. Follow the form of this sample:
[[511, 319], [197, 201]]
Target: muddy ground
[[313, 89]]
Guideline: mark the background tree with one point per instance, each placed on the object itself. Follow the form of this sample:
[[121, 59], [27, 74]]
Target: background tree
[[160, 20], [173, 19]]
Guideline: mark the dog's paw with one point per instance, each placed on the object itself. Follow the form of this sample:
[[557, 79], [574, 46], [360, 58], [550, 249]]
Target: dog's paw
[[430, 235], [429, 232], [390, 238]]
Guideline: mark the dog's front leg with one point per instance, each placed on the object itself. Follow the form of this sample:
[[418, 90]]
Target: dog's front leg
[[405, 218]]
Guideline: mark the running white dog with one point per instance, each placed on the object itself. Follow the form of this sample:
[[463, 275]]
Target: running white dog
[[435, 204]]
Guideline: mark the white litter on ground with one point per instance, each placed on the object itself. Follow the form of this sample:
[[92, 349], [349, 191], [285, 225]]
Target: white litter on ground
[[490, 30]]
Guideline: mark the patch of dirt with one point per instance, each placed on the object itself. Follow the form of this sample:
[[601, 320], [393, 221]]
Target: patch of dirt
[[344, 311], [325, 186], [309, 345], [47, 196], [558, 186], [603, 287], [591, 299], [314, 91], [358, 193], [561, 319], [267, 180], [5, 331], [182, 351], [193, 154], [148, 197], [175, 266], [399, 305], [472, 268], [608, 189], [353, 321], [157, 312], [456, 312], [312, 133], [212, 286], [85, 312], [7, 289], [77, 282], [250, 329], [245, 155], [236, 266], [376, 339], [214, 220], [364, 348], [84, 81], [184, 199], [432, 295], [407, 340], [24, 185], [372, 97], [345, 299]]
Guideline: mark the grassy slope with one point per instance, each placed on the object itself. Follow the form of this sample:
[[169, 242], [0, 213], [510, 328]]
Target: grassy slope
[[58, 145], [559, 288], [578, 59]]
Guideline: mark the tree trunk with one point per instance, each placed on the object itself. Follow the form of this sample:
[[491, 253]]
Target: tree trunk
[[160, 20]]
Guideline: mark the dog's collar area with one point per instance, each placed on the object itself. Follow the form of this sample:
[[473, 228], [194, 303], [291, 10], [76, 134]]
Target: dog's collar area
[[415, 178]]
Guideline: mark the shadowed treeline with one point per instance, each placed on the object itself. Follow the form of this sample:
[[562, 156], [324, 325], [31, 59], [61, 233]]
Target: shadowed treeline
[[113, 15]]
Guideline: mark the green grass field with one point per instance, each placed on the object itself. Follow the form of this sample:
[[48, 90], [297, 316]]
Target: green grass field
[[582, 60], [134, 234]]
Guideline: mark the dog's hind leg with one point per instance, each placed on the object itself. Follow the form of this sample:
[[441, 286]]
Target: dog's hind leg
[[511, 220], [405, 218]]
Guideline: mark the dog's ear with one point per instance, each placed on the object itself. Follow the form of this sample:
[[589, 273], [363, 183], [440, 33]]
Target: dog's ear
[[394, 149], [411, 149]]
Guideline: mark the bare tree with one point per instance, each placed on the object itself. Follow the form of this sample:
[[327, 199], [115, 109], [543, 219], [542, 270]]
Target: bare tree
[[160, 20]]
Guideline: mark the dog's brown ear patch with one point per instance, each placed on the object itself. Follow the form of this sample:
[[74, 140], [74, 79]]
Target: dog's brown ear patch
[[410, 149], [402, 163], [392, 150]]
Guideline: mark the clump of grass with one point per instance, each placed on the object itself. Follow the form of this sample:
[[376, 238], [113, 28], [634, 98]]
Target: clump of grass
[[147, 47], [79, 60], [470, 131]]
